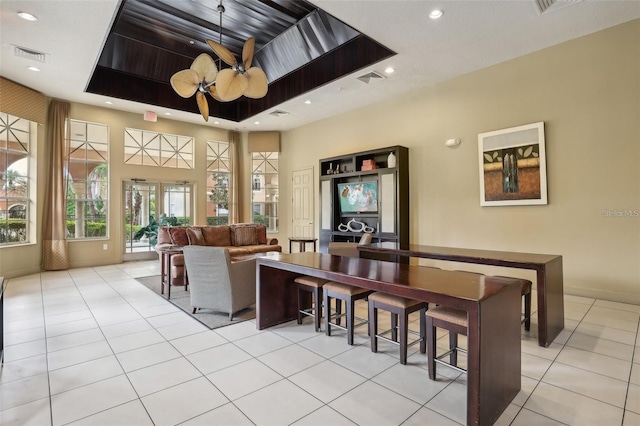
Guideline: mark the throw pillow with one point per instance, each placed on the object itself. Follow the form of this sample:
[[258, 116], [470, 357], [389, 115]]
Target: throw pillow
[[261, 230], [245, 236], [218, 236], [195, 236], [179, 235]]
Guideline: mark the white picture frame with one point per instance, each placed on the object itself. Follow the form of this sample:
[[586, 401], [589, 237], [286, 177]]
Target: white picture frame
[[512, 166]]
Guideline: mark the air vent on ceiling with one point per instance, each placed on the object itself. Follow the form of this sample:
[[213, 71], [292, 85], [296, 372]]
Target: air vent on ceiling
[[278, 113], [371, 77], [546, 6], [33, 55]]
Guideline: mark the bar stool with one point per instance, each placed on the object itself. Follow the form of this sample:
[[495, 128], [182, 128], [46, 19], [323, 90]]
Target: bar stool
[[398, 307], [312, 285], [453, 320], [525, 292], [349, 294]]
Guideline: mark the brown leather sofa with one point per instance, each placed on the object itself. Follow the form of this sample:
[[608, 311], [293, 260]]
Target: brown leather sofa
[[240, 239]]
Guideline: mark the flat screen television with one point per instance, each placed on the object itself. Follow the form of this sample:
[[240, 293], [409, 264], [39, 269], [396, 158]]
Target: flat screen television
[[358, 197]]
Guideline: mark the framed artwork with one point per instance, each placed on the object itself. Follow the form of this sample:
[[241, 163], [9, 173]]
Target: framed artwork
[[513, 168]]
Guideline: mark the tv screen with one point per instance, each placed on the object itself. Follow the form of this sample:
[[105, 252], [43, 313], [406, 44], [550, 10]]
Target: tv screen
[[358, 197]]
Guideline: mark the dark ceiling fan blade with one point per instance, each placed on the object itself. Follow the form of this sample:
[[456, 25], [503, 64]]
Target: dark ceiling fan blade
[[185, 82], [258, 84], [223, 53], [203, 105], [247, 52]]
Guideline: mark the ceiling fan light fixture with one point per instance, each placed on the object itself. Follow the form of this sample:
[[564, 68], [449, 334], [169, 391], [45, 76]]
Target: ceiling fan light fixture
[[28, 16]]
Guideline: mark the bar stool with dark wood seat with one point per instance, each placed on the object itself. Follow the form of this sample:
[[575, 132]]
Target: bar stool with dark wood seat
[[314, 286], [349, 294], [400, 308]]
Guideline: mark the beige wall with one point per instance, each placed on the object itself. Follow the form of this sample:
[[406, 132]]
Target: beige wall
[[587, 92]]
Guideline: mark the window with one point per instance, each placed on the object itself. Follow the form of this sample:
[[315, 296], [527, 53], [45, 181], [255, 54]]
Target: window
[[15, 213], [157, 149], [87, 180], [219, 169], [264, 193]]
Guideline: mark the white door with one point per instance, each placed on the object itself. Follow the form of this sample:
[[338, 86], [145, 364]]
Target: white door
[[302, 210]]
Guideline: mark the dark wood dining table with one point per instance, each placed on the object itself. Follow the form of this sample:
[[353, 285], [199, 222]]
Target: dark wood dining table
[[492, 305], [548, 267]]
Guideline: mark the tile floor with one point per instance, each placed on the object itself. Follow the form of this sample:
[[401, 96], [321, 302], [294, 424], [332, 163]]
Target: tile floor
[[92, 346]]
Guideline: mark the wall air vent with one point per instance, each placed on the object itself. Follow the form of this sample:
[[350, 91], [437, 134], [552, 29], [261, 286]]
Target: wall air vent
[[546, 6], [30, 54], [371, 77]]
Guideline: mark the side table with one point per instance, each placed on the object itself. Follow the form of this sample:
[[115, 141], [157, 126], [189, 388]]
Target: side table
[[302, 243], [165, 269]]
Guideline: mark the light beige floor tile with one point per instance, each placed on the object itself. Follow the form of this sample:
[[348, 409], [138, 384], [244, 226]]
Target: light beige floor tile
[[24, 324], [23, 391], [527, 386], [217, 358], [183, 402], [364, 362], [115, 314], [91, 399], [617, 305], [24, 350], [169, 319], [633, 399], [228, 414], [70, 340], [327, 380], [451, 402], [371, 403], [291, 359], [579, 299], [601, 346], [130, 413], [526, 418], [182, 329], [161, 376], [78, 354], [262, 343], [575, 311], [601, 364], [238, 331], [324, 416], [592, 385], [623, 320], [326, 346], [241, 379], [411, 381], [530, 346], [23, 368], [136, 340], [534, 366], [631, 419], [198, 342], [36, 413], [147, 356], [296, 332], [424, 416], [279, 403], [79, 375], [508, 415], [614, 334], [572, 408], [635, 374], [71, 327], [126, 328]]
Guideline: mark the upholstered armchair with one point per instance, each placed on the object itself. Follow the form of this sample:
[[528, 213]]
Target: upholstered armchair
[[348, 249], [218, 284]]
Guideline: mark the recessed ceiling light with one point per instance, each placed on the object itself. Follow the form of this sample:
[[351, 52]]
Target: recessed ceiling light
[[307, 102], [27, 16], [216, 122], [192, 42], [389, 70], [32, 68], [167, 113], [256, 122], [108, 102], [435, 14]]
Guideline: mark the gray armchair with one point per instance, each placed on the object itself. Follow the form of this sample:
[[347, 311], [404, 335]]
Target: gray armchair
[[218, 284], [348, 249]]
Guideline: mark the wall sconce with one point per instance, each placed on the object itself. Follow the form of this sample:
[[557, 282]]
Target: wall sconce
[[452, 143]]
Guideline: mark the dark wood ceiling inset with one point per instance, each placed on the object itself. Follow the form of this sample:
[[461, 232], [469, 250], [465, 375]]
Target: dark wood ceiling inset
[[150, 41]]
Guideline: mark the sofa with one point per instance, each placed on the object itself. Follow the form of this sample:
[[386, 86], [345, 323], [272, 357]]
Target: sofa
[[240, 239]]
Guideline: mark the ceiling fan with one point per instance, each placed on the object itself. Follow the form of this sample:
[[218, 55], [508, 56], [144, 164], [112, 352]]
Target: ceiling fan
[[225, 85]]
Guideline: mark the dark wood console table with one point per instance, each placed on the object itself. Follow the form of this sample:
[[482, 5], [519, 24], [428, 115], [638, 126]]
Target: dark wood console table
[[492, 304], [548, 269]]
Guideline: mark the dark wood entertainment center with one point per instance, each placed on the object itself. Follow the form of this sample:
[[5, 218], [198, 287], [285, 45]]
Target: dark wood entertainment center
[[390, 217]]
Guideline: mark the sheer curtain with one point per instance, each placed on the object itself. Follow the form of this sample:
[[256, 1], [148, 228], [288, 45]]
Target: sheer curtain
[[55, 255], [234, 142]]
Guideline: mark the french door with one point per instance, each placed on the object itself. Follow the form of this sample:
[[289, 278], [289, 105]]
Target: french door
[[147, 205]]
